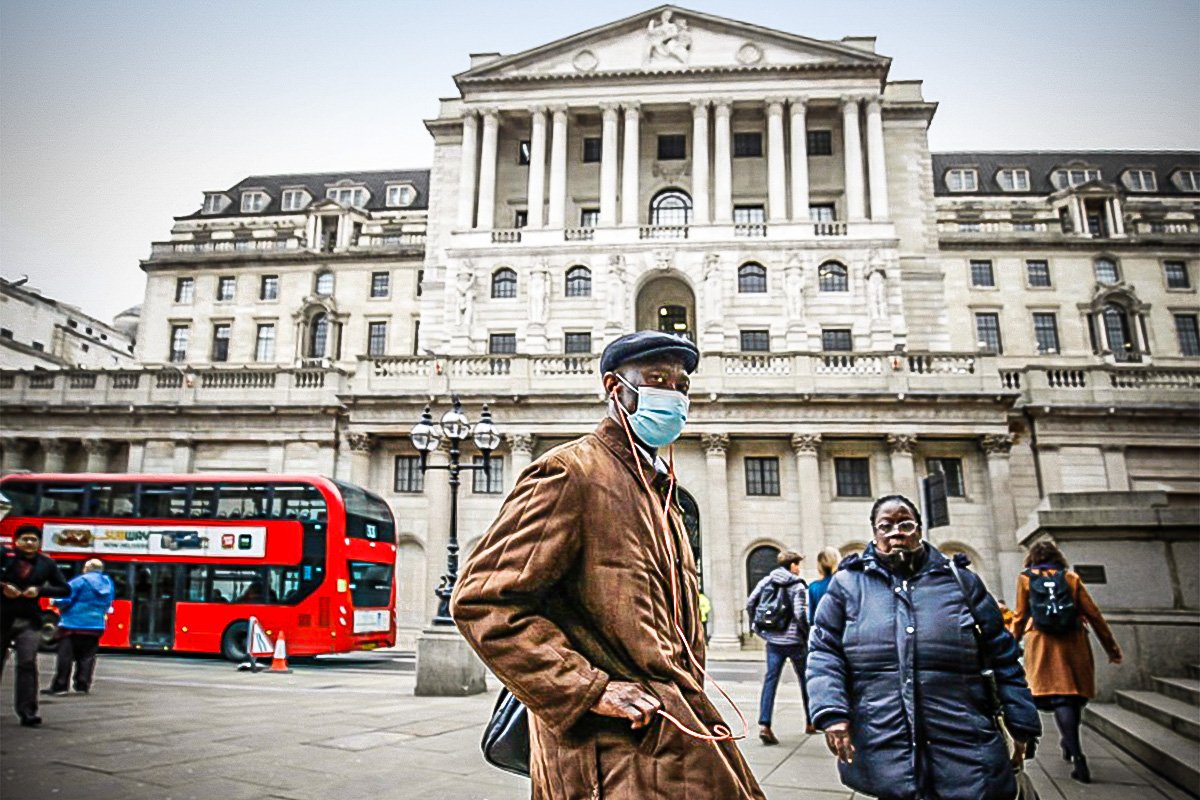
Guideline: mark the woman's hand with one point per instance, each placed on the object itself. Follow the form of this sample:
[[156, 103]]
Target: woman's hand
[[630, 701], [837, 739]]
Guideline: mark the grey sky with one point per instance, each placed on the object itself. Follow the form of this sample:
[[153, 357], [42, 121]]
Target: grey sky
[[114, 117]]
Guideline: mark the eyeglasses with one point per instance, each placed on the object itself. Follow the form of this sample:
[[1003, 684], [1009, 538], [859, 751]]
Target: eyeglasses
[[905, 526]]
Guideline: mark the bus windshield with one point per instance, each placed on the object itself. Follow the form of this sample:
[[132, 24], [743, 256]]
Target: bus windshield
[[367, 515]]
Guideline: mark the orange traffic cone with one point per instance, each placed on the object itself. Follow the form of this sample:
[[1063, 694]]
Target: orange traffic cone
[[279, 662]]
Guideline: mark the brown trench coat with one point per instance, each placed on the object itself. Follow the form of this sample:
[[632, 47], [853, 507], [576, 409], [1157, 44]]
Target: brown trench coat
[[1061, 664], [569, 587]]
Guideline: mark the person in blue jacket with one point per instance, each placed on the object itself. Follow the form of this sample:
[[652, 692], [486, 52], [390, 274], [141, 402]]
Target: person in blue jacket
[[81, 626], [896, 672]]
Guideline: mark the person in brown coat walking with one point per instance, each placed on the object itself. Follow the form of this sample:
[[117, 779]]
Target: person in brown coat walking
[[582, 598], [1058, 655]]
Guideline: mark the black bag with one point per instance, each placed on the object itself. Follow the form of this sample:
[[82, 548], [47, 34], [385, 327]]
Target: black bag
[[995, 704], [774, 610], [1051, 603], [506, 737]]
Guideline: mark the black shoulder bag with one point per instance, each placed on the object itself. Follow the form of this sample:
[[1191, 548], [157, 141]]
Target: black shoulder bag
[[506, 737]]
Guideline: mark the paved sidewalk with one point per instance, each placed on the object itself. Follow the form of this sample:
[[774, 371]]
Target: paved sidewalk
[[195, 729]]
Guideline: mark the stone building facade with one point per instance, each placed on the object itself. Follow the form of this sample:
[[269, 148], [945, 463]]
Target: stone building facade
[[867, 311], [37, 331]]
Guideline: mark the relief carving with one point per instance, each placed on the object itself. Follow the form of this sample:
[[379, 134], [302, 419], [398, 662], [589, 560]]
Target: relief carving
[[668, 39]]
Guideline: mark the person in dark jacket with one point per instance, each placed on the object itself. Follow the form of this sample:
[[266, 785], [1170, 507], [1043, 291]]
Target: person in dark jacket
[[827, 561], [894, 672], [25, 576], [81, 626], [782, 646]]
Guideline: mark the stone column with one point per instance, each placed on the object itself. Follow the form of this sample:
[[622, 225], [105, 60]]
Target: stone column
[[997, 449], [719, 554], [722, 164], [876, 164], [185, 453], [608, 166], [137, 457], [487, 172], [776, 168], [1049, 459], [701, 214], [97, 454], [13, 458], [55, 455], [521, 447], [904, 473], [852, 147], [536, 196], [807, 447], [1118, 217], [558, 168], [466, 172], [361, 445], [1115, 467], [799, 161], [630, 165]]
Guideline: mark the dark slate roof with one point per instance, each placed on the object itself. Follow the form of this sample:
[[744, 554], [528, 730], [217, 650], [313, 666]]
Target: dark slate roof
[[316, 183], [1041, 163]]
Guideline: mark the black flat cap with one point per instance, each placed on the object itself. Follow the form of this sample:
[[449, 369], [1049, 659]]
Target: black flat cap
[[649, 344]]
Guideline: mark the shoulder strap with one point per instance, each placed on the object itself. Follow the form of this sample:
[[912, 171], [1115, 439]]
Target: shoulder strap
[[962, 585]]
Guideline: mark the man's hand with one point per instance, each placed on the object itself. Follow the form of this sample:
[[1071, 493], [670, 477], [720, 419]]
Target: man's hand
[[32, 591], [837, 739], [11, 591], [629, 701], [1018, 756], [1116, 659]]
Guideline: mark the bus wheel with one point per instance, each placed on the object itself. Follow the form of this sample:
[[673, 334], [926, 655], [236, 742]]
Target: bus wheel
[[48, 633], [233, 642]]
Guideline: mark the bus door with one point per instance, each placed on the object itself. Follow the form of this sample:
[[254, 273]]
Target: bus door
[[155, 592]]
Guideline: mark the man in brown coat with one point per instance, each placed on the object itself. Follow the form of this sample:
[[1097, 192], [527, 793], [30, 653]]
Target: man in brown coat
[[577, 596]]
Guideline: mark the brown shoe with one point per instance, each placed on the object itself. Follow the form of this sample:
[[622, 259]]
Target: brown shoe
[[767, 736], [810, 730]]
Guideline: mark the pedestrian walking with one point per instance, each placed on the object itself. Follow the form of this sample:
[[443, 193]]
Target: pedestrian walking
[[778, 610], [84, 612], [25, 576], [582, 598], [909, 668], [827, 561], [1054, 610]]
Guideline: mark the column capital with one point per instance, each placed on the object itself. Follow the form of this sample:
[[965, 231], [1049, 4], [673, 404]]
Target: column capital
[[723, 106], [632, 107], [360, 442], [806, 443], [849, 102], [775, 106], [609, 110], [97, 446], [490, 114], [903, 443], [874, 104], [558, 109], [714, 444], [537, 110], [700, 109], [522, 443], [55, 446], [798, 105], [997, 444]]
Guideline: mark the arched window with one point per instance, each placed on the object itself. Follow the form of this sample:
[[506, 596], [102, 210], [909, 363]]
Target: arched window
[[1106, 271], [1117, 330], [752, 278], [833, 277], [579, 282], [324, 284], [671, 207], [318, 336], [504, 283], [759, 564]]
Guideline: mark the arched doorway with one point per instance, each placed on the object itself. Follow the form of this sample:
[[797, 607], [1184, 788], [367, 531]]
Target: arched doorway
[[691, 523], [759, 564], [667, 304]]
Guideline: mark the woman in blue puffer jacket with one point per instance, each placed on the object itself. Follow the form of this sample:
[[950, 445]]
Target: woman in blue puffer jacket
[[895, 672], [81, 626]]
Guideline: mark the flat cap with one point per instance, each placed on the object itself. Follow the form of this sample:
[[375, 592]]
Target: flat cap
[[649, 344]]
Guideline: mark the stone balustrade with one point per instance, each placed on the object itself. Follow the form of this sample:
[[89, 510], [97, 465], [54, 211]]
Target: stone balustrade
[[714, 233]]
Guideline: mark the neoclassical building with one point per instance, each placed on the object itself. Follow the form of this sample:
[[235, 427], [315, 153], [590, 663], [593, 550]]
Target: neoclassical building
[[868, 312]]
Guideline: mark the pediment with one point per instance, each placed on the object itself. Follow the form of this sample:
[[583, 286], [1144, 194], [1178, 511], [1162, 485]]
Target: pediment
[[672, 39]]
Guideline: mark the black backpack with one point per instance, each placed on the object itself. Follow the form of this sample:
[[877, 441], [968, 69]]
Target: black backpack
[[774, 611], [1051, 603]]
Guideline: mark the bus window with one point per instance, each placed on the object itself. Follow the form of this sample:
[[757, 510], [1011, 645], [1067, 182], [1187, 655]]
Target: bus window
[[163, 501], [204, 501], [367, 516], [120, 577], [61, 500], [112, 500], [193, 591], [370, 584], [237, 585], [297, 501], [283, 584], [242, 502], [70, 569], [23, 496]]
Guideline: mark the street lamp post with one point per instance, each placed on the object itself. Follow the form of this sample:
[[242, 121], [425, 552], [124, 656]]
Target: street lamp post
[[426, 438]]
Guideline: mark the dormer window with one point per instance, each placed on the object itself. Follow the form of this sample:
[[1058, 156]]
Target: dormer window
[[1140, 180], [355, 196], [962, 180], [401, 195], [294, 199], [1187, 180], [215, 202], [254, 201], [1013, 180], [1076, 176]]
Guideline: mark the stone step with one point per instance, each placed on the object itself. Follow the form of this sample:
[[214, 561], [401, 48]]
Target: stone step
[[1175, 714], [1185, 689], [1164, 751], [1193, 671]]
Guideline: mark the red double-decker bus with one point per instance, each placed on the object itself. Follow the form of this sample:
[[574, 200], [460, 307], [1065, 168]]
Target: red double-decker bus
[[195, 556]]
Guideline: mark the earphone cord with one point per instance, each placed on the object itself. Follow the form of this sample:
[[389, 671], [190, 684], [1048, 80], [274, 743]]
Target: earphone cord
[[721, 733]]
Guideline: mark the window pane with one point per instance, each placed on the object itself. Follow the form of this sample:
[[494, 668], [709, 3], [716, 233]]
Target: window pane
[[1106, 270], [225, 288], [502, 344], [671, 207], [523, 151], [577, 342], [1189, 334], [837, 340], [672, 147], [1177, 275], [752, 278], [749, 215], [833, 277], [504, 283], [162, 501], [756, 341], [1045, 331], [579, 282], [589, 217], [270, 288], [112, 500], [238, 585], [591, 149], [370, 584], [409, 478], [179, 342], [376, 338], [747, 145], [220, 347], [297, 501], [952, 469], [762, 476], [491, 481], [264, 343], [380, 284], [247, 501], [1037, 273], [981, 274], [822, 212], [63, 500], [820, 143], [324, 286], [184, 288], [853, 477], [987, 333]]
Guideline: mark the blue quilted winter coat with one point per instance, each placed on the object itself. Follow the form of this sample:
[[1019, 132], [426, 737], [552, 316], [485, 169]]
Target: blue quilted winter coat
[[900, 661]]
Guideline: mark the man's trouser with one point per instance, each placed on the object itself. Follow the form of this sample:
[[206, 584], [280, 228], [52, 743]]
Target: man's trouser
[[25, 638], [77, 650], [777, 656]]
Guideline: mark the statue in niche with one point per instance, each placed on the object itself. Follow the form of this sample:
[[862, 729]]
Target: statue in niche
[[877, 304], [793, 288], [539, 309], [668, 39], [466, 294], [616, 289], [712, 289]]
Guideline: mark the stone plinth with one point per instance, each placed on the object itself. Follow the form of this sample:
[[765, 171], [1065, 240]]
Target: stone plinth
[[446, 665]]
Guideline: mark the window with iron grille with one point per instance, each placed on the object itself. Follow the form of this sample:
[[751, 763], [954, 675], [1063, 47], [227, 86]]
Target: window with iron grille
[[981, 274], [579, 282], [952, 469], [591, 149], [837, 340], [185, 289], [672, 147], [1188, 331], [225, 287], [502, 344], [762, 476], [408, 476], [747, 145], [833, 277], [1177, 275], [381, 284], [179, 343], [757, 341], [1037, 273], [490, 481], [820, 143], [220, 342], [577, 342], [1045, 331], [853, 477], [504, 283], [987, 333], [269, 288], [752, 278], [376, 338]]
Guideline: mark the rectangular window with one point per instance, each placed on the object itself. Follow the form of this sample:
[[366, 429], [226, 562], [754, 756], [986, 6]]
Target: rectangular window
[[294, 199], [355, 196], [409, 478], [185, 290], [822, 212], [1177, 275], [747, 145], [1140, 180], [226, 285], [502, 344], [420, 280], [1037, 274], [1045, 332], [756, 341], [762, 476], [987, 333], [962, 180], [1013, 180], [837, 340], [1189, 334], [264, 343], [672, 147], [749, 215], [253, 201], [179, 343], [589, 217], [520, 218], [490, 481], [376, 338], [215, 203], [523, 150], [820, 143], [591, 149], [381, 284], [220, 342], [400, 195], [577, 342], [853, 477], [269, 288], [981, 274], [952, 469]]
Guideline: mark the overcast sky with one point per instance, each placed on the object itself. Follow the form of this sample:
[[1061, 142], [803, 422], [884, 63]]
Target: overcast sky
[[116, 116]]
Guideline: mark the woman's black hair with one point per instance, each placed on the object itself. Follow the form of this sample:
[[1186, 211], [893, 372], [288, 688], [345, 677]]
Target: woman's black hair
[[896, 498]]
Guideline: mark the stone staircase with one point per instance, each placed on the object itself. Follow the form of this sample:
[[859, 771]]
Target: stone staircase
[[1160, 728]]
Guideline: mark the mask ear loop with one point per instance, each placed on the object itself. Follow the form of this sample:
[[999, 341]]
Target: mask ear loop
[[721, 733]]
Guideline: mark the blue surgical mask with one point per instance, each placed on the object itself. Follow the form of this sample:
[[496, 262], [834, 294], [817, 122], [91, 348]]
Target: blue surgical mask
[[660, 416]]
